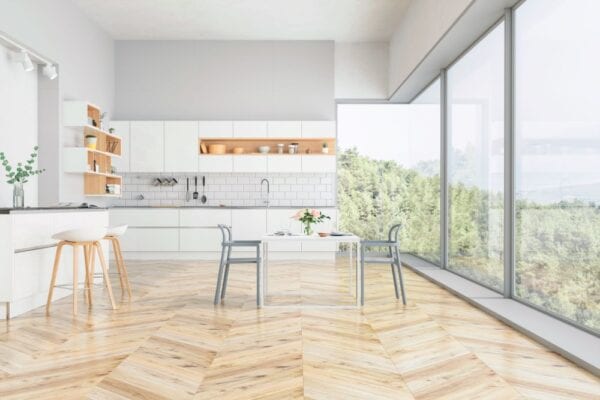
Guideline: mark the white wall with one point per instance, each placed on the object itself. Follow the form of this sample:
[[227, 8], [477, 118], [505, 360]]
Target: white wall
[[254, 80], [423, 24], [18, 122], [361, 70], [85, 54]]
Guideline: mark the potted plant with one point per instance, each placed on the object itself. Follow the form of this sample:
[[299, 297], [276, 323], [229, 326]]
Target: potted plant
[[308, 217], [325, 149], [19, 176]]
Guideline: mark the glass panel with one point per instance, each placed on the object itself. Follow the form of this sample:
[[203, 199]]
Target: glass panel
[[557, 121], [476, 162], [388, 172]]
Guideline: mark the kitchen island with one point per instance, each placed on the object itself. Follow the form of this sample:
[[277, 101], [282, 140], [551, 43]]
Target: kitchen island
[[27, 253]]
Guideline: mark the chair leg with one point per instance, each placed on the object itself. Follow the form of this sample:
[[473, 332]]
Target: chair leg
[[258, 261], [113, 241], [394, 274], [220, 276], [226, 276], [86, 256], [75, 276], [399, 266], [92, 255], [54, 273], [123, 267], [362, 277], [105, 274]]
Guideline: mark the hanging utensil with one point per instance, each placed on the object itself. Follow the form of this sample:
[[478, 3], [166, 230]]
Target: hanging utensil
[[187, 189], [195, 195], [203, 199]]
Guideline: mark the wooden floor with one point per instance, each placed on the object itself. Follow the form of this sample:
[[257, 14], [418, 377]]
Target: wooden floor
[[171, 343]]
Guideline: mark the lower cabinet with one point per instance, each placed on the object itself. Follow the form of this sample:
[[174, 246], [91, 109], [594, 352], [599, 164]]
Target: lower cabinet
[[150, 239], [200, 239]]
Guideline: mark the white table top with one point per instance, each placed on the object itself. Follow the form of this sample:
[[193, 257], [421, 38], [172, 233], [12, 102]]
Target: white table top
[[313, 238]]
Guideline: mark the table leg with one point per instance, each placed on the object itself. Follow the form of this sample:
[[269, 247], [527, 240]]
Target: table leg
[[358, 275], [266, 277], [350, 250]]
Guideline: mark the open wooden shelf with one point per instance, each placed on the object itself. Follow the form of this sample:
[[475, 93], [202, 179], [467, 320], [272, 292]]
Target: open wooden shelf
[[312, 146]]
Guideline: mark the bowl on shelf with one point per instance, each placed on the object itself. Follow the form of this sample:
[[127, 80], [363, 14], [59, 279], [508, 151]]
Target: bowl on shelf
[[264, 149], [217, 149], [323, 234], [238, 150]]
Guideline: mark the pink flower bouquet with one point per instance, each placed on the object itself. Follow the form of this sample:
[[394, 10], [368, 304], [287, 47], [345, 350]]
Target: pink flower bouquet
[[308, 217]]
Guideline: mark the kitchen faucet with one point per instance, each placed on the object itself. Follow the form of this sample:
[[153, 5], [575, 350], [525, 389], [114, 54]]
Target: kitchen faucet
[[265, 180]]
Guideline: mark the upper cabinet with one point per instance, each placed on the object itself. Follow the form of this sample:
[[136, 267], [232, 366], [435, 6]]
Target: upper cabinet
[[284, 129], [215, 129], [318, 129], [121, 128], [181, 146], [250, 129], [147, 146]]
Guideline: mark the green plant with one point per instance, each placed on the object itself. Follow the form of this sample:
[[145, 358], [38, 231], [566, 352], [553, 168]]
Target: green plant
[[22, 172]]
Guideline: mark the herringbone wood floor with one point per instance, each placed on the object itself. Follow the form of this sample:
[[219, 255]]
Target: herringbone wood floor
[[171, 343]]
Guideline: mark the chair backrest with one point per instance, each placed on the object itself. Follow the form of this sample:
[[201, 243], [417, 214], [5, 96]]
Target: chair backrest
[[226, 232], [393, 233]]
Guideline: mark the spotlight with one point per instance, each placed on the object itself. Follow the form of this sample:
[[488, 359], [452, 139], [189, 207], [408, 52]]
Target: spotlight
[[49, 71], [23, 58]]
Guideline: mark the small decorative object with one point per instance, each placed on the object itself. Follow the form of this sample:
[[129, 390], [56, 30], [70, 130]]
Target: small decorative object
[[19, 176], [113, 170], [308, 151], [323, 234], [308, 217], [325, 149], [101, 122], [111, 130], [238, 150], [264, 149], [91, 142], [280, 147], [203, 148], [217, 148]]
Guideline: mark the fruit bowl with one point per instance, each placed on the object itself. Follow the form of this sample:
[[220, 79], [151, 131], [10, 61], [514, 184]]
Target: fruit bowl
[[323, 234]]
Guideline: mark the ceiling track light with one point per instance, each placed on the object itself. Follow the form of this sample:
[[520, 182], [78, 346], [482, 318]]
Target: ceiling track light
[[49, 71], [23, 58]]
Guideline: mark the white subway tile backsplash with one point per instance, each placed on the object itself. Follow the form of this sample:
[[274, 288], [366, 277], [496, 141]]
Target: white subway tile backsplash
[[287, 189]]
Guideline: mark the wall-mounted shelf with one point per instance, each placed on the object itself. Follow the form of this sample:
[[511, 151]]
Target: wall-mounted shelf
[[95, 164], [312, 146]]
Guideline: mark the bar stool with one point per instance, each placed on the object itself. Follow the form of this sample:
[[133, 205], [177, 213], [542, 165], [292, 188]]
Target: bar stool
[[226, 246], [112, 234], [392, 258], [89, 240]]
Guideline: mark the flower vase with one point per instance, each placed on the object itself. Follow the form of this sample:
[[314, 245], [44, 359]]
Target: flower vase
[[18, 195], [308, 229]]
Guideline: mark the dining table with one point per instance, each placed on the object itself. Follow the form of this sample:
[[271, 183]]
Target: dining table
[[352, 251]]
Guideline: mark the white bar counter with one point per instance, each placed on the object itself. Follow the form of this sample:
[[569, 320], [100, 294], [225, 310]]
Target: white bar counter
[[27, 253]]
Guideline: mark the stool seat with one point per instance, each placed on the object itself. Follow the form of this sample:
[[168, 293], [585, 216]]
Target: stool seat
[[116, 231], [91, 234]]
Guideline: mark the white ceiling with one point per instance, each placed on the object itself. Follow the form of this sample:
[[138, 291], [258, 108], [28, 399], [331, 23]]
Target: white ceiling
[[339, 20]]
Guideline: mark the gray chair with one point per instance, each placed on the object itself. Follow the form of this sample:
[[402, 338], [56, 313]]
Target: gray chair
[[226, 260], [392, 258]]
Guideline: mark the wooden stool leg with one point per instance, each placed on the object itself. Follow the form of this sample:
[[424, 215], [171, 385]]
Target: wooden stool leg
[[118, 263], [54, 272], [105, 274], [86, 256], [123, 268], [75, 275]]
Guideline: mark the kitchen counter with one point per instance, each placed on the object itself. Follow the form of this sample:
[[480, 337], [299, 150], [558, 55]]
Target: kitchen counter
[[48, 209], [226, 207]]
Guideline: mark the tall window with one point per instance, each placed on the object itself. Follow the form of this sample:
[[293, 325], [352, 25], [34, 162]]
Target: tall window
[[557, 122], [388, 172], [476, 161]]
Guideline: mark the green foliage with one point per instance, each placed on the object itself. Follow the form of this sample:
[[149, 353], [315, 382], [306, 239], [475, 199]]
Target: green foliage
[[557, 245], [23, 171]]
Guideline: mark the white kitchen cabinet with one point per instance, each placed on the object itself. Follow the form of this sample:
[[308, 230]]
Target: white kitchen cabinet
[[215, 129], [318, 163], [122, 130], [250, 163], [199, 218], [284, 129], [280, 220], [318, 129], [144, 217], [150, 239], [200, 239], [147, 146], [215, 163], [284, 163], [253, 129], [325, 226], [248, 224], [181, 146]]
